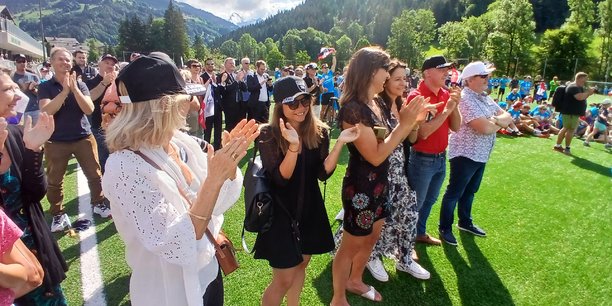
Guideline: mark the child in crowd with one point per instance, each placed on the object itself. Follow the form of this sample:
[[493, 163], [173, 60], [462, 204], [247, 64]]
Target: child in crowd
[[601, 125], [543, 117], [513, 96]]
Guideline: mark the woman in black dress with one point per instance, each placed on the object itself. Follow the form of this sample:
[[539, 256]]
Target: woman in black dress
[[295, 153], [365, 185]]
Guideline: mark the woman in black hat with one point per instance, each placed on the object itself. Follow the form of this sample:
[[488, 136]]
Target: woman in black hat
[[164, 191], [295, 153]]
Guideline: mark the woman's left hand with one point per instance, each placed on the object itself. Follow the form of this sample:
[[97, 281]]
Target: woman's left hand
[[35, 137], [349, 135]]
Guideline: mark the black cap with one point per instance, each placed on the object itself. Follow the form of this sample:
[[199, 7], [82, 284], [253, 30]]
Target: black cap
[[437, 61], [108, 56], [150, 77], [20, 56], [288, 88]]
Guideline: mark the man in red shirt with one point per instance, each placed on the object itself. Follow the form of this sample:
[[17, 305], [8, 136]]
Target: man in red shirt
[[427, 161]]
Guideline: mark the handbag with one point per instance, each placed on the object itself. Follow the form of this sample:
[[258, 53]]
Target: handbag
[[224, 250], [259, 202]]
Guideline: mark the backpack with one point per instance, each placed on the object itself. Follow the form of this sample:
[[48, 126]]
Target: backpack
[[558, 99], [258, 199]]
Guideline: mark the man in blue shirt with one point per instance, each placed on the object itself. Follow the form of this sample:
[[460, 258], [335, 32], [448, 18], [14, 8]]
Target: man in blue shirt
[[513, 96], [327, 82], [525, 86], [503, 82], [67, 99]]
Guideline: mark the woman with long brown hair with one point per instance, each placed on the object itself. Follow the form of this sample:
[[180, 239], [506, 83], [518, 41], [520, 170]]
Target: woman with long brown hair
[[365, 185], [399, 232], [295, 153]]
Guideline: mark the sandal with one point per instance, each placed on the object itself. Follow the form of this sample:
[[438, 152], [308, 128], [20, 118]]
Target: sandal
[[370, 294]]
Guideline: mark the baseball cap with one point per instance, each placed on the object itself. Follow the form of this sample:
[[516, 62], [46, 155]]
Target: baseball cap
[[606, 102], [109, 56], [288, 88], [517, 104], [476, 68], [311, 66], [20, 56], [324, 66], [151, 77], [437, 61]]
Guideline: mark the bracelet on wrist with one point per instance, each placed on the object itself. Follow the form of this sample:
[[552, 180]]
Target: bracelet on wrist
[[202, 218], [289, 149]]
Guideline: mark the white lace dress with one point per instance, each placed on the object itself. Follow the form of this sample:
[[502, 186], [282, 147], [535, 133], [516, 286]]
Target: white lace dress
[[169, 266]]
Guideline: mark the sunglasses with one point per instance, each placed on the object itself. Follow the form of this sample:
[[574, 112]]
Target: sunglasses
[[385, 66], [20, 62], [196, 66], [305, 100], [483, 76]]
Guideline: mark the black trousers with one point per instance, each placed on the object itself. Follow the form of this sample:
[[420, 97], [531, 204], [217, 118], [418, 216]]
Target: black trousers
[[214, 293], [260, 111], [214, 124], [233, 112]]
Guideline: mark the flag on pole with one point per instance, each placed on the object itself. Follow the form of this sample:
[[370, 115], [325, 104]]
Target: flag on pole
[[325, 51]]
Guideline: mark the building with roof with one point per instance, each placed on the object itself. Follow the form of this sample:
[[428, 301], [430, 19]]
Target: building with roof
[[13, 40], [71, 44]]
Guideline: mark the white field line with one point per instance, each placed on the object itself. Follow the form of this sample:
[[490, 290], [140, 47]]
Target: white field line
[[91, 276]]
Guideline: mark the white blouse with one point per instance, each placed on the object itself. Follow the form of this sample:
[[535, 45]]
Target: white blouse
[[169, 266]]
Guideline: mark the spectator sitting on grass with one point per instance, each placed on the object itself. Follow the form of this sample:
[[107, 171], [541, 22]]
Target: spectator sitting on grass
[[528, 124], [513, 96], [601, 124], [543, 117]]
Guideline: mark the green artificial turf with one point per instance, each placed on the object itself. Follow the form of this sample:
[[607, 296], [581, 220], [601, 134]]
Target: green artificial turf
[[547, 216]]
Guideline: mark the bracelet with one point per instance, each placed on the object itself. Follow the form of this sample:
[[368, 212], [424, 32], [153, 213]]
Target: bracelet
[[105, 85], [289, 149], [198, 216]]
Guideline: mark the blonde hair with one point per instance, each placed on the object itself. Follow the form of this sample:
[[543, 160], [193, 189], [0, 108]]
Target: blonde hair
[[144, 124], [310, 131], [55, 50]]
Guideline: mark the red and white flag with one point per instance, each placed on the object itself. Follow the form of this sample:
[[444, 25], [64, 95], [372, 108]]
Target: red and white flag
[[325, 52]]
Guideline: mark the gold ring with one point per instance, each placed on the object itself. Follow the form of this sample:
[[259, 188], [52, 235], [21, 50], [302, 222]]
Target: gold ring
[[234, 156]]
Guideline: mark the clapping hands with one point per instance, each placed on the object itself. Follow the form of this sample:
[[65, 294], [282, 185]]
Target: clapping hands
[[35, 137], [349, 135], [289, 133]]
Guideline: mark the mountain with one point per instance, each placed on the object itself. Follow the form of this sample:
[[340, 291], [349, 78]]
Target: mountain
[[83, 19], [376, 16]]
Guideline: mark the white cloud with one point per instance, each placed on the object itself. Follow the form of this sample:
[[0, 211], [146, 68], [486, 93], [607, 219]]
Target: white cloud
[[247, 9]]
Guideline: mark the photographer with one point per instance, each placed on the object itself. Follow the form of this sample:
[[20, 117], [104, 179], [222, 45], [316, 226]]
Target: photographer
[[28, 83], [575, 105], [259, 84]]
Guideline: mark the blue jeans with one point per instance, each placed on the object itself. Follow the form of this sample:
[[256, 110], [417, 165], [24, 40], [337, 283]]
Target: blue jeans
[[102, 148], [425, 176], [464, 181]]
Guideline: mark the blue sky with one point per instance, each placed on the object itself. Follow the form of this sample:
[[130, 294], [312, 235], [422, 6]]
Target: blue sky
[[247, 9]]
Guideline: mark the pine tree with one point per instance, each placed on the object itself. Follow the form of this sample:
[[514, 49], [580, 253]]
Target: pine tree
[[175, 33]]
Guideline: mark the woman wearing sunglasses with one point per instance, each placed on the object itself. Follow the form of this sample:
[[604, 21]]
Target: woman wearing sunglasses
[[365, 185], [295, 153]]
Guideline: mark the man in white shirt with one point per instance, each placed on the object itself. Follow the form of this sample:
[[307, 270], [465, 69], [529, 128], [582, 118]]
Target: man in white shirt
[[259, 84]]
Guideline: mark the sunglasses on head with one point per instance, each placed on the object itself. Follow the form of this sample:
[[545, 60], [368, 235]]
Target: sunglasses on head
[[305, 100]]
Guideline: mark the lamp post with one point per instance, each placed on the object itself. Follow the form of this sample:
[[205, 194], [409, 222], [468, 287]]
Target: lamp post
[[42, 31]]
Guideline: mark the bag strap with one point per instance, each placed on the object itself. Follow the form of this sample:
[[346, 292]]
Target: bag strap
[[208, 233]]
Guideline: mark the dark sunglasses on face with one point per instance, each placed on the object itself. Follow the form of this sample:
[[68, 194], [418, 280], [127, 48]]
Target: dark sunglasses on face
[[484, 76], [196, 66], [20, 62], [385, 66], [304, 100]]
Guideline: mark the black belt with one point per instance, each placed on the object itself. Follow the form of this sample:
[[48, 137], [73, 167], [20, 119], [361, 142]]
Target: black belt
[[443, 154]]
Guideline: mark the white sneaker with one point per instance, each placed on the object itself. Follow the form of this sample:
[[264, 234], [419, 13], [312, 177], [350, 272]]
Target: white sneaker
[[60, 223], [102, 209], [377, 270], [414, 269]]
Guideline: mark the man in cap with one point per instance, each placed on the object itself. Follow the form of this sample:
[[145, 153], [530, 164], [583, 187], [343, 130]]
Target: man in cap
[[67, 99], [469, 150], [97, 87], [427, 161], [313, 84], [28, 83]]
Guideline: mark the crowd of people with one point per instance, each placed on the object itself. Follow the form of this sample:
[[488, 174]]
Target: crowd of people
[[160, 147]]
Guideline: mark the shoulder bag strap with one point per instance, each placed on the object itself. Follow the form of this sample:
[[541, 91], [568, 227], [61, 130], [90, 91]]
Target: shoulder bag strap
[[156, 166]]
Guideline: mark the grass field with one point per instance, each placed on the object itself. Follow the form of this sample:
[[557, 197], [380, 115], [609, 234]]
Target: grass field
[[547, 216]]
